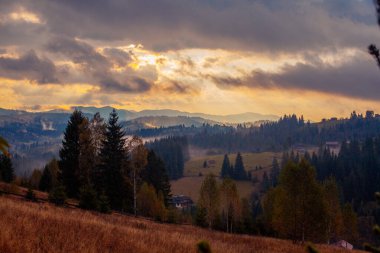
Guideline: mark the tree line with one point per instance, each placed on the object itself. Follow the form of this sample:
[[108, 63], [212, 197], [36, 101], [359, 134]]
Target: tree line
[[286, 132], [301, 208], [174, 150], [103, 169]]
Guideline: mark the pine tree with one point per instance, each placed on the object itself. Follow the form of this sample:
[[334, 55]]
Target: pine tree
[[275, 173], [266, 183], [49, 178], [69, 154], [6, 169], [30, 195], [376, 230], [88, 198], [155, 175], [225, 171], [57, 195], [239, 170], [113, 164]]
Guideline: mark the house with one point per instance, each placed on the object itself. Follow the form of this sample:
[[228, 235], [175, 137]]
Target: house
[[182, 202], [344, 244]]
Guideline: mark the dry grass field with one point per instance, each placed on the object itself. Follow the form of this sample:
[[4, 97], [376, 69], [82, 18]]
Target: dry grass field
[[191, 183], [195, 165], [190, 186], [36, 227]]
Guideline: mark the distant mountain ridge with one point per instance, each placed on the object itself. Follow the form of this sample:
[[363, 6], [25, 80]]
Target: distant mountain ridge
[[126, 115]]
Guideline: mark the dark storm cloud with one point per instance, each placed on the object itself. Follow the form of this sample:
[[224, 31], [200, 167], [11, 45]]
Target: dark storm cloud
[[29, 66], [358, 77], [97, 66], [269, 25]]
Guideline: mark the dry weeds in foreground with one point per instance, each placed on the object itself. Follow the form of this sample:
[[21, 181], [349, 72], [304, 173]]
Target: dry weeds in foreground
[[32, 227]]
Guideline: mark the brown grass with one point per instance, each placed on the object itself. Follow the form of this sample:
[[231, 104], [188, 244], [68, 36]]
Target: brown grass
[[32, 227], [190, 186]]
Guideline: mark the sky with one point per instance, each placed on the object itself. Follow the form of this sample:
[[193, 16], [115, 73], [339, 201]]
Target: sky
[[213, 56]]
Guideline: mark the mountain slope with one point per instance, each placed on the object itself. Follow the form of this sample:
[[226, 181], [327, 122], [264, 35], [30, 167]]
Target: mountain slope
[[32, 227]]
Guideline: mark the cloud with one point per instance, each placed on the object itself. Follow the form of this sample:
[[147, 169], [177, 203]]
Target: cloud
[[98, 67], [357, 77], [268, 25], [29, 66]]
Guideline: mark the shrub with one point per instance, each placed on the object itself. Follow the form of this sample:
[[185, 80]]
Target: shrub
[[88, 198], [311, 249], [203, 247], [57, 195], [200, 217], [104, 204], [30, 195]]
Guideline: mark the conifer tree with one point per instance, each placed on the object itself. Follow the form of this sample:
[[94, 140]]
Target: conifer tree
[[6, 169], [69, 154], [225, 171], [376, 230], [49, 178], [113, 158], [239, 170], [275, 173], [155, 175]]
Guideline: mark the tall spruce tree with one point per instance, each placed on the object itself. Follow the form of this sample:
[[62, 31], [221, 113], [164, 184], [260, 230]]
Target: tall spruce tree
[[113, 158], [155, 174], [275, 173], [239, 170], [225, 171], [49, 178], [69, 154], [6, 168]]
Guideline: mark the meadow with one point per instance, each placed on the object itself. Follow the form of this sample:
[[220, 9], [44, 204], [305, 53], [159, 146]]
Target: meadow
[[28, 227], [195, 172]]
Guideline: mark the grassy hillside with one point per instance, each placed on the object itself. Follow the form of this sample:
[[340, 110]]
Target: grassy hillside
[[191, 183], [32, 227]]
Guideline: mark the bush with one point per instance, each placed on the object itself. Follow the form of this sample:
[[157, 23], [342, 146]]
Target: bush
[[57, 195], [104, 204], [30, 195], [203, 247], [311, 249], [88, 198], [200, 217]]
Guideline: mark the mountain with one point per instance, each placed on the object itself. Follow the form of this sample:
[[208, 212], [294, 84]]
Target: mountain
[[126, 115], [166, 121]]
